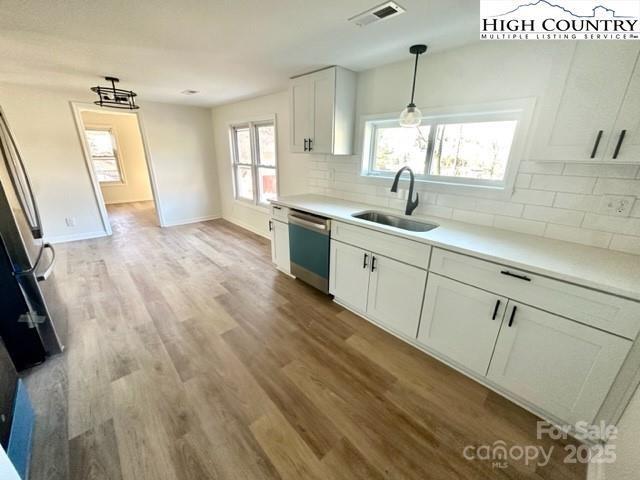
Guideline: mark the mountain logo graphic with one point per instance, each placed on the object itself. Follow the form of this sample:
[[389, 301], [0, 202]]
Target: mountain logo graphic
[[601, 9]]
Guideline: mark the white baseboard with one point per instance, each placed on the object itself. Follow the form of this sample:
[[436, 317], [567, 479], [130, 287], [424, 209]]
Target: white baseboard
[[247, 227], [74, 237], [187, 221]]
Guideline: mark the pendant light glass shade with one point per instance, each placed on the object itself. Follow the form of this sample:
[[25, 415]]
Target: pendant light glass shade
[[410, 116]]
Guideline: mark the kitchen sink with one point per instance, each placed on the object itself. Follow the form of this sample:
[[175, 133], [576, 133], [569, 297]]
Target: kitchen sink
[[393, 221]]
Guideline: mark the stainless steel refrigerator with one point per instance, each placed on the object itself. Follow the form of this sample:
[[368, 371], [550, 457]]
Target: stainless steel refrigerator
[[32, 315]]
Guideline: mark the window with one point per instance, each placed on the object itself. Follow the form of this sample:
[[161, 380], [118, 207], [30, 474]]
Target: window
[[474, 148], [104, 155], [253, 154]]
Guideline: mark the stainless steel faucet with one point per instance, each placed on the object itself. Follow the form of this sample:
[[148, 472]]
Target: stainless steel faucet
[[411, 205]]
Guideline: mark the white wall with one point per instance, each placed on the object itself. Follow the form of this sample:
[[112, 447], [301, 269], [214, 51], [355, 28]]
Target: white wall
[[136, 186], [555, 200], [292, 167], [181, 147]]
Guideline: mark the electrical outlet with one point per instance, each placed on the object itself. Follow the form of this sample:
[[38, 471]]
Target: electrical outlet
[[70, 221], [617, 206]]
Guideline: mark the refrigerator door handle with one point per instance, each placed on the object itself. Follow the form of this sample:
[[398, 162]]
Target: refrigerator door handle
[[44, 275]]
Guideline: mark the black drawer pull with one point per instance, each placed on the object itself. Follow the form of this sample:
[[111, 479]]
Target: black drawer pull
[[619, 144], [495, 310], [513, 315], [515, 275], [310, 148], [275, 207], [364, 261], [270, 225], [373, 263], [305, 144], [595, 147]]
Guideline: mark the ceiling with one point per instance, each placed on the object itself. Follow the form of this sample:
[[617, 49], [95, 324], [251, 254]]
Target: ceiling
[[226, 49]]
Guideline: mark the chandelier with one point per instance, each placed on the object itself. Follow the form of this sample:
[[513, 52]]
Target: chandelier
[[115, 97]]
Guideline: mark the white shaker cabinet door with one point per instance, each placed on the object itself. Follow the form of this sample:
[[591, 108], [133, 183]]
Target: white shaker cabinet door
[[395, 295], [583, 99], [280, 245], [301, 113], [561, 366], [349, 275], [324, 92], [461, 322]]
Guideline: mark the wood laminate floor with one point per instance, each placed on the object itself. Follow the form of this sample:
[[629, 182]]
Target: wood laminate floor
[[190, 357]]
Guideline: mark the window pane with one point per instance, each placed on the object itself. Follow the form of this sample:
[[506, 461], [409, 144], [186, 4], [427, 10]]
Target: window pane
[[396, 147], [243, 141], [267, 145], [100, 143], [473, 150], [106, 169], [244, 182], [268, 184]]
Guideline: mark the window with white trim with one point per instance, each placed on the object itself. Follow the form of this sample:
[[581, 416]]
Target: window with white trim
[[470, 148], [253, 156], [104, 155]]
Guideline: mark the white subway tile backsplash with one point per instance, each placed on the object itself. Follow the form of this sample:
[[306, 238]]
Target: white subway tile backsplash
[[473, 217], [604, 171], [555, 200], [559, 183], [629, 226], [553, 215], [541, 167], [519, 225], [610, 186], [576, 201], [578, 235], [625, 243], [533, 197]]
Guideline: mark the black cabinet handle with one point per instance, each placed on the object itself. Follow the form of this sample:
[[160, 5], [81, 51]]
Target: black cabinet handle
[[305, 144], [597, 144], [310, 148], [275, 207], [495, 310], [364, 261], [270, 225], [515, 275], [373, 263], [623, 133], [513, 315]]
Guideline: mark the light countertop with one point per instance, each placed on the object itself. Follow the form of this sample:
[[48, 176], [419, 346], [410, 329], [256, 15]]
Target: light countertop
[[601, 269]]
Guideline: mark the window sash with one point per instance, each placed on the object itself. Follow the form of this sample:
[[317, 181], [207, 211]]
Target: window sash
[[435, 121], [115, 156], [255, 164]]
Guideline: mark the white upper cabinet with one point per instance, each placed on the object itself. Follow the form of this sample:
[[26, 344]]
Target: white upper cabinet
[[461, 322], [561, 366], [395, 294], [578, 118], [629, 122], [322, 108]]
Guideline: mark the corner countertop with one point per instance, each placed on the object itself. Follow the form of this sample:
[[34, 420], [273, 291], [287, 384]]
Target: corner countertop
[[597, 268]]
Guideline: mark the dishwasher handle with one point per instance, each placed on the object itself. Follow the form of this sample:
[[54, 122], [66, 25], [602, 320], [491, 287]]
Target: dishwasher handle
[[313, 222]]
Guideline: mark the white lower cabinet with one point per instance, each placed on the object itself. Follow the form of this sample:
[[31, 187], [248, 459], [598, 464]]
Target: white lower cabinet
[[385, 290], [558, 365], [395, 294], [349, 275], [280, 245], [461, 322]]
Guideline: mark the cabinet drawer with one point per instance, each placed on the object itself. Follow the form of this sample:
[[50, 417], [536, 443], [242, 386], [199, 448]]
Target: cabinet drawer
[[607, 312], [280, 213], [407, 251]]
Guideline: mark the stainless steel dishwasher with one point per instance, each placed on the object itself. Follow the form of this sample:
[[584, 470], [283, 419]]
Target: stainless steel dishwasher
[[309, 237]]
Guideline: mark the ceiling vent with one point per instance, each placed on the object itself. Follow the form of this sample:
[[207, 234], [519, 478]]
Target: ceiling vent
[[377, 14]]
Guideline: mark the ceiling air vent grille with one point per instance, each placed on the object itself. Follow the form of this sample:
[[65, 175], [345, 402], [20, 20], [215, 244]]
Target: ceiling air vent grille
[[377, 14]]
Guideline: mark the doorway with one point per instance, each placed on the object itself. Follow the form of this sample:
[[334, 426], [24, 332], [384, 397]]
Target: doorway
[[118, 164]]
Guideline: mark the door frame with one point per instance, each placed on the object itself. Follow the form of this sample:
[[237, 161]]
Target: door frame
[[77, 109]]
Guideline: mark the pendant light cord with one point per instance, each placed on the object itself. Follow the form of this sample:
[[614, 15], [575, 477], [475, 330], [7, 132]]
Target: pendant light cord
[[415, 74]]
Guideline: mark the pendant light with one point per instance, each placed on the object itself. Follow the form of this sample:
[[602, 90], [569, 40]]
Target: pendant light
[[115, 97], [412, 116]]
